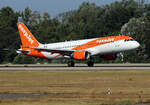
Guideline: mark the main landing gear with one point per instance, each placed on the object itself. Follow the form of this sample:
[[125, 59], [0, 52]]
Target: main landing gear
[[71, 63], [90, 63]]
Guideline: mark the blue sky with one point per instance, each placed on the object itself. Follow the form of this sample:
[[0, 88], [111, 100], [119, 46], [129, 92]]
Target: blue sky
[[53, 7]]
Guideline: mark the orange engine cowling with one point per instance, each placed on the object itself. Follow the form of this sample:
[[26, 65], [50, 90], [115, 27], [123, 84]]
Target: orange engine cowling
[[80, 55], [109, 56]]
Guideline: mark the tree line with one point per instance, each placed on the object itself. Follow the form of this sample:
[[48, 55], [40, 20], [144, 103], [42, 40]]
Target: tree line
[[127, 17]]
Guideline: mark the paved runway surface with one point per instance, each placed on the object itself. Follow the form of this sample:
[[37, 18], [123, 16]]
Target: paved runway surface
[[62, 67]]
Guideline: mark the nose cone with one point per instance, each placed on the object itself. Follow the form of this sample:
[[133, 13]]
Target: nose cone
[[135, 45]]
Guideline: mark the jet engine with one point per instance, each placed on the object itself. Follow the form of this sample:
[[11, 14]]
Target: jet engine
[[80, 55]]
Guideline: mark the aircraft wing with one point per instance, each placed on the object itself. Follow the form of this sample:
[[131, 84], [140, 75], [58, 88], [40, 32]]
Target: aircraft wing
[[61, 51]]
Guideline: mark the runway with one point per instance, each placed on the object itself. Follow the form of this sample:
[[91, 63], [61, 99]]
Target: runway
[[63, 67]]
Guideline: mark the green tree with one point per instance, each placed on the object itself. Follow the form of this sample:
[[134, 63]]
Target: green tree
[[139, 28], [22, 59], [8, 36]]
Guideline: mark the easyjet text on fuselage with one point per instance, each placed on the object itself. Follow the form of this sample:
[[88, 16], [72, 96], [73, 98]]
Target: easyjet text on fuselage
[[26, 34]]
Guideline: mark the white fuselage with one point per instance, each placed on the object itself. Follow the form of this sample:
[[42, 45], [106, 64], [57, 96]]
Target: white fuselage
[[108, 48]]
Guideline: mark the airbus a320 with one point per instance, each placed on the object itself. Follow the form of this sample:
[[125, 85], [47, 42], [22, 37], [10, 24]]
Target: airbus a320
[[105, 47]]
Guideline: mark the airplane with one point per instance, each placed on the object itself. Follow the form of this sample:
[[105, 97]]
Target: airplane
[[86, 49]]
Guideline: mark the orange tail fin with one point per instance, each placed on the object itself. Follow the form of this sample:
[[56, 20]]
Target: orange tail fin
[[27, 39]]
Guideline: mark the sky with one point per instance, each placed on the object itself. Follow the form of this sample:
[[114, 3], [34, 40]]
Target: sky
[[53, 7]]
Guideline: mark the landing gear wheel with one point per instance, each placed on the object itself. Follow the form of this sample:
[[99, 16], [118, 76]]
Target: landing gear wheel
[[90, 63], [71, 64]]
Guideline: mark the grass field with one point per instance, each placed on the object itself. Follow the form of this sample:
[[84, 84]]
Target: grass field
[[77, 87]]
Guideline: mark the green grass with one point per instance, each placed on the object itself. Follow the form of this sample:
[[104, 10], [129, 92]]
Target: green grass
[[81, 87]]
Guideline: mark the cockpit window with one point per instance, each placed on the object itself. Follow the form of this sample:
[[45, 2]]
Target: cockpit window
[[128, 40]]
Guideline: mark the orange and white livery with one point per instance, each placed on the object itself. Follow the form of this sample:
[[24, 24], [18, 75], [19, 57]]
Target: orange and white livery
[[106, 47]]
